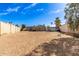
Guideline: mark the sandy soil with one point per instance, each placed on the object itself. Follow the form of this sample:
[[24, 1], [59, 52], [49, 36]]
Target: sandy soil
[[22, 43]]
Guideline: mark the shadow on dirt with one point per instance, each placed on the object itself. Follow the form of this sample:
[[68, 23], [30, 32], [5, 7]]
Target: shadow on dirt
[[71, 34], [57, 47]]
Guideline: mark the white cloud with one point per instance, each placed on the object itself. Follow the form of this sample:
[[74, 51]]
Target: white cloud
[[9, 10], [1, 14], [34, 4], [40, 9], [56, 11], [30, 6], [63, 22], [13, 9]]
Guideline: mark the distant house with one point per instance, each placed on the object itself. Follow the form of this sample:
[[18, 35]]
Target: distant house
[[51, 29], [6, 28], [28, 28]]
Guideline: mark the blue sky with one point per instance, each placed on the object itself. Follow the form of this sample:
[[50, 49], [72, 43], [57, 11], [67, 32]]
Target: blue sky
[[31, 13]]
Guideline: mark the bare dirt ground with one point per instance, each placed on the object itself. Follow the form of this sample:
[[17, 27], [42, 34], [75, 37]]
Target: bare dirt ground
[[27, 43]]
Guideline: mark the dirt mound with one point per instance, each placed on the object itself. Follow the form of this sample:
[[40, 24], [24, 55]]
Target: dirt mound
[[57, 47]]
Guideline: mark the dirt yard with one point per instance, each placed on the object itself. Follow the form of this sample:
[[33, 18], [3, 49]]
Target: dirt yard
[[22, 43]]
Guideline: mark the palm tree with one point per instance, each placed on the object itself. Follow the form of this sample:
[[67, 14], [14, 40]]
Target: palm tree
[[51, 23], [58, 23]]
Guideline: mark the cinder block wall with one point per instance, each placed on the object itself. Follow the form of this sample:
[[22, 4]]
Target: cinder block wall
[[12, 28], [64, 28], [6, 28]]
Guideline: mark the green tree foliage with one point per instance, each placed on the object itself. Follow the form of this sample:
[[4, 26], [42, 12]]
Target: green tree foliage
[[23, 26], [72, 15], [57, 23], [37, 28], [17, 25]]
